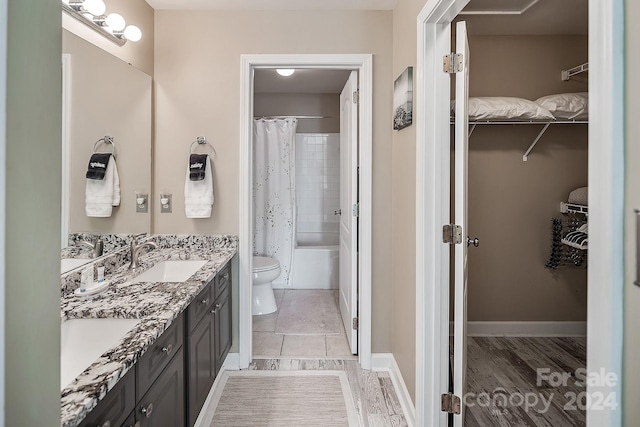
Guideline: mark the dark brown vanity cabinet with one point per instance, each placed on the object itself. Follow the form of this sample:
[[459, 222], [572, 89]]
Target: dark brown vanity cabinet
[[170, 383], [208, 339]]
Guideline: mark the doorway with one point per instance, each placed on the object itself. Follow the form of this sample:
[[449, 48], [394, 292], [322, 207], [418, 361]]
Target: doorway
[[312, 234], [433, 159], [362, 64]]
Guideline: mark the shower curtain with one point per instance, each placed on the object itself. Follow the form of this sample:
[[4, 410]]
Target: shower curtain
[[274, 191]]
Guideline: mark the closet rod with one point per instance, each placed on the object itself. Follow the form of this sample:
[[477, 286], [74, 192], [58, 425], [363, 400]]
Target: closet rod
[[567, 74]]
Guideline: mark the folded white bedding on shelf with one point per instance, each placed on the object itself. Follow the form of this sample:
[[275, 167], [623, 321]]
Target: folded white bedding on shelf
[[564, 106]]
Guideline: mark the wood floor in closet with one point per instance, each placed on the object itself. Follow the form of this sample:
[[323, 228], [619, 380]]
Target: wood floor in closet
[[503, 373]]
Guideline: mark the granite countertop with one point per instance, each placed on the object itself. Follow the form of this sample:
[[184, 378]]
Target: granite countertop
[[155, 304]]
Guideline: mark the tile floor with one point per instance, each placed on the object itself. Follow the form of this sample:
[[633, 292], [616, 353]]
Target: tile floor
[[269, 344]]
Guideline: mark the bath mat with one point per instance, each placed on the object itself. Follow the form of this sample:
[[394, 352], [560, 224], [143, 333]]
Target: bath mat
[[282, 398], [309, 312]]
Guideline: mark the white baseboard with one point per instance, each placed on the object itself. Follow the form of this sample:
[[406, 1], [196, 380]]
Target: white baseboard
[[531, 329], [232, 362], [386, 362]]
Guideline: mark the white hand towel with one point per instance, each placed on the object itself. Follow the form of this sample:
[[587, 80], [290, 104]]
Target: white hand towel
[[198, 195], [102, 194]]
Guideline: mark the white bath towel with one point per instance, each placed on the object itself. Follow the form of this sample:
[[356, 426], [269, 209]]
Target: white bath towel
[[198, 195], [101, 195]]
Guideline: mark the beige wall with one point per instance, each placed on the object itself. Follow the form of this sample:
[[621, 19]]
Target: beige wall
[[631, 368], [108, 97], [136, 12], [403, 203], [197, 87], [511, 202], [302, 104], [32, 228]]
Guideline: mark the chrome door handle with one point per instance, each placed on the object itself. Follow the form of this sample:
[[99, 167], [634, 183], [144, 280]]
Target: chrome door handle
[[475, 241], [215, 309], [205, 301], [338, 212]]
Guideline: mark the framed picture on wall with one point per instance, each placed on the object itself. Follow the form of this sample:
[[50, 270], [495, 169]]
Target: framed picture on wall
[[403, 100]]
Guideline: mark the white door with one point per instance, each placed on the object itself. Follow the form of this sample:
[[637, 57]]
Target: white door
[[460, 272], [348, 212]]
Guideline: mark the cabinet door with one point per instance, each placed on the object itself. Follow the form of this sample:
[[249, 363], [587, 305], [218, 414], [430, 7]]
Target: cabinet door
[[131, 421], [222, 328], [163, 405], [114, 408], [201, 368]]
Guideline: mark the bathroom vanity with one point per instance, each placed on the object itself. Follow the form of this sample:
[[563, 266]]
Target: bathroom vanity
[[160, 373]]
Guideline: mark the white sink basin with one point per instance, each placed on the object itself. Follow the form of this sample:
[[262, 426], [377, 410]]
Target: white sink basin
[[170, 271], [68, 264], [82, 341]]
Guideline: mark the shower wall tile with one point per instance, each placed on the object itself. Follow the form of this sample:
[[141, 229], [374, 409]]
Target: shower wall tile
[[317, 177]]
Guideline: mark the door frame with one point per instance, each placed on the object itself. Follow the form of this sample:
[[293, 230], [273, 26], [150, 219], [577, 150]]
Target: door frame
[[363, 63], [606, 167]]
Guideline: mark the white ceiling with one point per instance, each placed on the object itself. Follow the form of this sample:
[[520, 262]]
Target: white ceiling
[[273, 4], [544, 17], [302, 81]]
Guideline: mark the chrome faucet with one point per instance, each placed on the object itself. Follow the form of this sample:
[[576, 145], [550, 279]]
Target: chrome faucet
[[135, 251], [97, 248]]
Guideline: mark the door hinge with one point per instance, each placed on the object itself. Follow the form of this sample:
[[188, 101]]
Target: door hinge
[[451, 234], [356, 209], [354, 323], [453, 63], [450, 403], [356, 96]]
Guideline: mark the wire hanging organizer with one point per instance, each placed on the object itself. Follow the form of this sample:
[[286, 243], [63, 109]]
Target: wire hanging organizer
[[106, 140], [202, 140]]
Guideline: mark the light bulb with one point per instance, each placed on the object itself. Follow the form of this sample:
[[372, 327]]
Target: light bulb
[[115, 22], [133, 33], [94, 7], [286, 72]]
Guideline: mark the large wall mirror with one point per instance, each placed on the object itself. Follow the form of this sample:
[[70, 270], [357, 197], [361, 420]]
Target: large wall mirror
[[104, 96]]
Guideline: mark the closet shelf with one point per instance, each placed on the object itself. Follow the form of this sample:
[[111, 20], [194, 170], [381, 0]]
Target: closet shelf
[[573, 208], [546, 124], [567, 74]]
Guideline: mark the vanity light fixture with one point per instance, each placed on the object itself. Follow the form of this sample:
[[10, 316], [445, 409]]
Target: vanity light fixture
[[285, 72], [111, 26]]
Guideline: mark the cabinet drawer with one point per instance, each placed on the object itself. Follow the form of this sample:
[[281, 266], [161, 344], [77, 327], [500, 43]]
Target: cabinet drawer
[[222, 281], [159, 355], [164, 404], [199, 307], [116, 406]]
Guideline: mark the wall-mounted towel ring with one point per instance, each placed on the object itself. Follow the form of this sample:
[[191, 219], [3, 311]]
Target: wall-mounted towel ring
[[106, 140], [202, 140]]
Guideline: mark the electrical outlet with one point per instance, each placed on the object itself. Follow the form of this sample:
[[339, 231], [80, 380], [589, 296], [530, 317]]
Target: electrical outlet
[[142, 203], [165, 203]]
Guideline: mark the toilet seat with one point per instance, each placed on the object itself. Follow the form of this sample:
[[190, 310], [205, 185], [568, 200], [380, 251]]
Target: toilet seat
[[263, 263]]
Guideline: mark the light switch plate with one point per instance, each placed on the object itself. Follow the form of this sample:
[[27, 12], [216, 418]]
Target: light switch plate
[[165, 207], [144, 206]]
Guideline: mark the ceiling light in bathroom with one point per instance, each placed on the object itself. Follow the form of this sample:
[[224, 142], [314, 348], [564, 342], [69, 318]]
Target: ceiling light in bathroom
[[285, 72]]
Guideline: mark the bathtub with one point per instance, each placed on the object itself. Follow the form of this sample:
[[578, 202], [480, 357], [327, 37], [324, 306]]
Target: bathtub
[[316, 259]]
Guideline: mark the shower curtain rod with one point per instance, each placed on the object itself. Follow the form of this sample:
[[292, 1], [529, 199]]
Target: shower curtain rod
[[293, 117]]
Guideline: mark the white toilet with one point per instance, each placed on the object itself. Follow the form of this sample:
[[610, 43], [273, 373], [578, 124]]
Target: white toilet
[[265, 270]]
